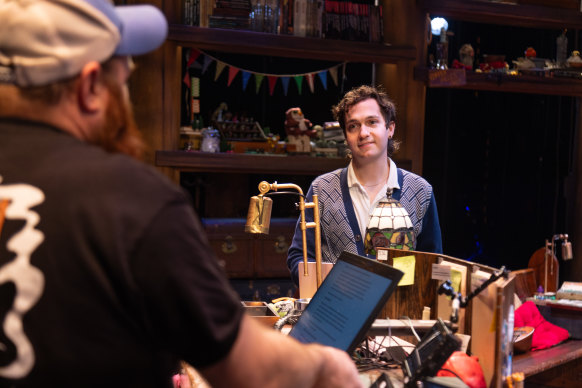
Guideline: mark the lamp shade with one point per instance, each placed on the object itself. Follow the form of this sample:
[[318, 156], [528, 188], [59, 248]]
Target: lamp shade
[[389, 227]]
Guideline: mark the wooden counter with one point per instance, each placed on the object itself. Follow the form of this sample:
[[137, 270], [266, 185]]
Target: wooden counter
[[559, 366]]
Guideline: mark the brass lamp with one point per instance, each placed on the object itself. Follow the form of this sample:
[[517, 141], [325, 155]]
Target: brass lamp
[[259, 218], [389, 227]]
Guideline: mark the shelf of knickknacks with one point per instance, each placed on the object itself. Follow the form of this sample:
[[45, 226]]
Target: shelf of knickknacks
[[529, 81]]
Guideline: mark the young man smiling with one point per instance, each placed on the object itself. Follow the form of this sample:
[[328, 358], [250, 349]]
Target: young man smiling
[[348, 196]]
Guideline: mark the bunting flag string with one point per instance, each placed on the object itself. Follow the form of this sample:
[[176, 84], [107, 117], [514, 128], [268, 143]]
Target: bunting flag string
[[195, 54]]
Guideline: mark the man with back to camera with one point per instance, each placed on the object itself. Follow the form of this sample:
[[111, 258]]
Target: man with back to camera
[[348, 196], [106, 276]]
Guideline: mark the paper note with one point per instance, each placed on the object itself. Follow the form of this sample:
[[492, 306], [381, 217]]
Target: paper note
[[456, 278], [441, 272], [382, 255], [405, 264]]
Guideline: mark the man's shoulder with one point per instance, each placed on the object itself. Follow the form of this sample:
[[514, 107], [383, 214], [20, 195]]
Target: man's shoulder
[[413, 185], [329, 177], [412, 178]]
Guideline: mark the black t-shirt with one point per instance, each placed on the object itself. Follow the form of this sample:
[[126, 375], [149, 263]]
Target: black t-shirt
[[106, 275]]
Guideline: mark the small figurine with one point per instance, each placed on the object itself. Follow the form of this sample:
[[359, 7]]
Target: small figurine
[[574, 60], [298, 130], [467, 55]]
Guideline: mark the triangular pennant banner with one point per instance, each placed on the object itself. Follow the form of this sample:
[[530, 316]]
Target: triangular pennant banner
[[245, 79], [310, 82], [196, 65], [219, 67], [323, 78], [207, 61], [258, 81], [298, 81], [232, 72], [272, 82], [186, 79], [285, 82], [194, 54], [333, 73]]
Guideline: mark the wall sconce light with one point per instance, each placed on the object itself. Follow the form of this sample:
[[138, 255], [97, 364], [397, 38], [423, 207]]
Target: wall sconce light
[[259, 218]]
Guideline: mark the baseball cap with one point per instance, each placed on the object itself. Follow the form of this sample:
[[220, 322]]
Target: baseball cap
[[44, 41]]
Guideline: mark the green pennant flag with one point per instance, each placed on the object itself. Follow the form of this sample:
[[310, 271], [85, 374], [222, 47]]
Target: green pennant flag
[[299, 81], [258, 81]]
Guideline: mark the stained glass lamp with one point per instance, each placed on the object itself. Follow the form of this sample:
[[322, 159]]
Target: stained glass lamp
[[389, 227]]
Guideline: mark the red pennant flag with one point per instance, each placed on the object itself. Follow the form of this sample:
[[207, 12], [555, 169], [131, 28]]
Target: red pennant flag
[[272, 81], [232, 72], [186, 79], [194, 54]]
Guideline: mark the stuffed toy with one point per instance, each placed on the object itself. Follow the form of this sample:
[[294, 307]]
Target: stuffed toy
[[299, 130]]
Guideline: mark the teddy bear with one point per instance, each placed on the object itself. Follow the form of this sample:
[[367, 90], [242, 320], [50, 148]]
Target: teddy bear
[[299, 130]]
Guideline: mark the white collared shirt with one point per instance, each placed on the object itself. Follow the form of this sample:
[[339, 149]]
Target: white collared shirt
[[362, 205]]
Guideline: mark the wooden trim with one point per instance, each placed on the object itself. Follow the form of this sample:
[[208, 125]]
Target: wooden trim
[[508, 13], [250, 42], [499, 82], [252, 163], [532, 363]]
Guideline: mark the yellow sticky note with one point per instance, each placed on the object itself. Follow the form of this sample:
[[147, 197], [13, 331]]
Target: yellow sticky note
[[456, 278], [405, 264]]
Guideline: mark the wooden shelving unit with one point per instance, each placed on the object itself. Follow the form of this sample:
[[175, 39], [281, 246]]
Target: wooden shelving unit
[[500, 82], [249, 163], [504, 12], [257, 43], [513, 14]]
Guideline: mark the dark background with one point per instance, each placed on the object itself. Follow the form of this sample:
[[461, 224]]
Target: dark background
[[500, 163]]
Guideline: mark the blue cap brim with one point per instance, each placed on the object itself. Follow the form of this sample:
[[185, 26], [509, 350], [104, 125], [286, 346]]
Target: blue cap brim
[[143, 29]]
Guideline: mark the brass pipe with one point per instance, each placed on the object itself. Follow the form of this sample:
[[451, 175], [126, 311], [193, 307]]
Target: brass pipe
[[265, 187]]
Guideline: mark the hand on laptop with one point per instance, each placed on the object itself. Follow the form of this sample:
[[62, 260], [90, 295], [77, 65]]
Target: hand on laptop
[[338, 369]]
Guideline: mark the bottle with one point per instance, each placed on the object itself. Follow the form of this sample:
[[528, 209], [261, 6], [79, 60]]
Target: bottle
[[442, 51], [562, 49], [477, 62], [426, 313]]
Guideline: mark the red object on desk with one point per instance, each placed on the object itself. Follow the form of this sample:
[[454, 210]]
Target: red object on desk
[[466, 368], [546, 334]]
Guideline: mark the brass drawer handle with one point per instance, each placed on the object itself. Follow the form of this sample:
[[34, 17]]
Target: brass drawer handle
[[281, 245], [228, 246]]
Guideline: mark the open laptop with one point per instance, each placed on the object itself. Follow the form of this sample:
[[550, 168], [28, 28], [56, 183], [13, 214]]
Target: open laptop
[[347, 302]]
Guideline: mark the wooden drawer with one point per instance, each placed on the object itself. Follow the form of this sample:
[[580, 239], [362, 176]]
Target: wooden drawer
[[273, 259], [232, 246], [245, 255]]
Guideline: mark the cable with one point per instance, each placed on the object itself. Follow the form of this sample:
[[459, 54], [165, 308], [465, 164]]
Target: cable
[[402, 318]]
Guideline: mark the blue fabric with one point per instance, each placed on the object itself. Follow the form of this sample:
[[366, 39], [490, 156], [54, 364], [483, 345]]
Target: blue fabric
[[339, 225]]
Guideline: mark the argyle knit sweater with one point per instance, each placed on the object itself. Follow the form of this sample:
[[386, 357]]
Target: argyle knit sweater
[[339, 226]]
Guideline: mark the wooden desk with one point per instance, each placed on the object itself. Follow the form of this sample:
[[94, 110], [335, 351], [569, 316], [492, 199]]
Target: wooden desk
[[559, 366]]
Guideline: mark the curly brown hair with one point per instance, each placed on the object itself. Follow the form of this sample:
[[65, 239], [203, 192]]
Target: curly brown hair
[[365, 92]]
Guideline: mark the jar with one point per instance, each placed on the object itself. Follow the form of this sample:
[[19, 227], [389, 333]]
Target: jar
[[210, 140]]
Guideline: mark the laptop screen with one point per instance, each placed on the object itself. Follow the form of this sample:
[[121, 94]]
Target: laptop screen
[[347, 302]]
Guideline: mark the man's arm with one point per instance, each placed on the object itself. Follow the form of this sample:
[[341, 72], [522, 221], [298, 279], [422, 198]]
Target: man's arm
[[263, 357], [429, 239]]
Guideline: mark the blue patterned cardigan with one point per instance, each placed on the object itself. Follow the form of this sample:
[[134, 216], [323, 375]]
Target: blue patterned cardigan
[[339, 225]]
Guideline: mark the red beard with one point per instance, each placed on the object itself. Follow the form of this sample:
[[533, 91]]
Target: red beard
[[119, 132]]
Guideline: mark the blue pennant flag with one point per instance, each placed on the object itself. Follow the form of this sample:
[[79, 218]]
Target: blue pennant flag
[[245, 79], [285, 82], [323, 77]]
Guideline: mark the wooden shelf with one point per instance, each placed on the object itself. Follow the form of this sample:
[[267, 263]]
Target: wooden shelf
[[248, 163], [500, 82], [509, 13], [249, 42]]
